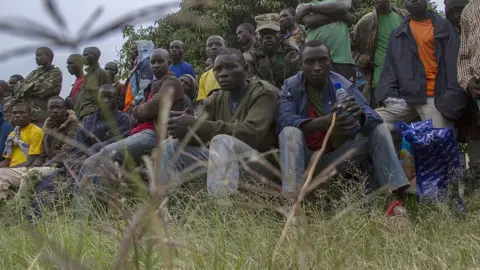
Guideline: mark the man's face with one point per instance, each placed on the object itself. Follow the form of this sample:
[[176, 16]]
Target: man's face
[[112, 70], [21, 116], [214, 45], [57, 109], [243, 35], [269, 40], [416, 7], [187, 84], [159, 64], [454, 15], [41, 58], [109, 97], [229, 72], [72, 66], [13, 82], [383, 5], [316, 64], [176, 50], [134, 50], [286, 20], [89, 57]]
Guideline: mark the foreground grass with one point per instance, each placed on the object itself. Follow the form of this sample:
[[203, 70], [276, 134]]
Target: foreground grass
[[209, 236]]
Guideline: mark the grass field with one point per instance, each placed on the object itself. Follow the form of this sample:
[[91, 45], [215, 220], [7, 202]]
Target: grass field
[[204, 234]]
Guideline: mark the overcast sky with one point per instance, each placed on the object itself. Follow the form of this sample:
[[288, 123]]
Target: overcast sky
[[75, 13]]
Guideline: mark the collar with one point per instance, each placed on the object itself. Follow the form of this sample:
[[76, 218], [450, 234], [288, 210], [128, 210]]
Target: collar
[[440, 26], [92, 68]]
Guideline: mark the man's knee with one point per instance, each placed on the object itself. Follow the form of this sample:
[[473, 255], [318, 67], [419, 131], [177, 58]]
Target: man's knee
[[170, 146], [382, 129], [222, 139], [291, 134]]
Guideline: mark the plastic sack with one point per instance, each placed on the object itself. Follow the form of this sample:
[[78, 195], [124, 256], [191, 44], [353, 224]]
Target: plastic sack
[[407, 160], [437, 160]]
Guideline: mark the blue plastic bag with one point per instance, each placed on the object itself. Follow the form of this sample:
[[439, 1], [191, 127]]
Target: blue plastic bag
[[437, 160]]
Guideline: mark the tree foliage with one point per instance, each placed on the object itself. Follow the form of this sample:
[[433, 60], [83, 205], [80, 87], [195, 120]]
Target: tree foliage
[[198, 19]]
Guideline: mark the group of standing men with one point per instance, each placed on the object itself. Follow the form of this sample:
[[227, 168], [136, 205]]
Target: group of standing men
[[407, 56]]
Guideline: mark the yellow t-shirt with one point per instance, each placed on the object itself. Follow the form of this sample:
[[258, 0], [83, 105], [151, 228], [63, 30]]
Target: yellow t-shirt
[[207, 84], [31, 135]]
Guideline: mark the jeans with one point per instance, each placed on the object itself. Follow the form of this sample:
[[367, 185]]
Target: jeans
[[376, 146], [136, 146], [225, 155]]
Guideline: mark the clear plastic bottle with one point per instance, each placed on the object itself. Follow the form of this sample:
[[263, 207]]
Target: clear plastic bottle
[[342, 95]]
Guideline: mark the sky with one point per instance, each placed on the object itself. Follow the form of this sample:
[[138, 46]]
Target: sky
[[75, 14]]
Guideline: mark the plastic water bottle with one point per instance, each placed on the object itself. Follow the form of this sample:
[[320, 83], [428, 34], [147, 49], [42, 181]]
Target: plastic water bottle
[[342, 95]]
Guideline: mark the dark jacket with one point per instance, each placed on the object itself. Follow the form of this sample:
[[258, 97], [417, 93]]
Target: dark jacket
[[5, 129], [293, 102], [96, 132], [403, 74]]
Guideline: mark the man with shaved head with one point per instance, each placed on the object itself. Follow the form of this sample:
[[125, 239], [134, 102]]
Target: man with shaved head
[[207, 81], [75, 67], [40, 85], [143, 137], [86, 100], [178, 66]]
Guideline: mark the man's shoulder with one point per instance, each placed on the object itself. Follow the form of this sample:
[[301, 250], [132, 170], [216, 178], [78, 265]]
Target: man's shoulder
[[261, 87], [56, 70], [367, 18], [402, 12], [33, 130]]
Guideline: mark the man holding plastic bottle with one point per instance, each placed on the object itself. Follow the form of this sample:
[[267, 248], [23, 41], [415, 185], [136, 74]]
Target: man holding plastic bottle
[[308, 101]]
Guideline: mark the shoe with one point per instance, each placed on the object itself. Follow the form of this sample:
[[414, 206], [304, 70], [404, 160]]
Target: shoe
[[395, 208]]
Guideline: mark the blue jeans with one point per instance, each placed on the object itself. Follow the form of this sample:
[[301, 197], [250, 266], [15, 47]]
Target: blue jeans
[[136, 146], [376, 146], [225, 156]]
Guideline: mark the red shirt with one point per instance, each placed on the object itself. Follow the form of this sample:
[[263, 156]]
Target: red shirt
[[76, 86], [315, 140], [144, 125]]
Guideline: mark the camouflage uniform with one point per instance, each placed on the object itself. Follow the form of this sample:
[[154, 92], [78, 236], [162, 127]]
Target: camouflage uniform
[[85, 102], [40, 85], [284, 64]]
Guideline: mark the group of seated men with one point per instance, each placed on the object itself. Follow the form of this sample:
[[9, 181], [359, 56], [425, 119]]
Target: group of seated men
[[241, 115]]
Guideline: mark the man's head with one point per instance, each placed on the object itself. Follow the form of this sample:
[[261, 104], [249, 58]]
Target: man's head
[[75, 64], [177, 49], [112, 69], [14, 81], [91, 55], [57, 107], [454, 9], [416, 8], [44, 56], [383, 6], [4, 89], [21, 114], [268, 27], [316, 62], [189, 85], [245, 33], [160, 62], [107, 95], [214, 45], [229, 68], [134, 50], [287, 19]]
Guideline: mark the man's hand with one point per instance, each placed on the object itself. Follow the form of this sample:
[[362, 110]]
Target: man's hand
[[364, 61], [473, 88], [302, 12], [179, 123], [349, 114]]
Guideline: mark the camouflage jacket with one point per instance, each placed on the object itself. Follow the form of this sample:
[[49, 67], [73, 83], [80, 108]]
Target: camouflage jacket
[[40, 85], [284, 64], [86, 101], [364, 39], [54, 148]]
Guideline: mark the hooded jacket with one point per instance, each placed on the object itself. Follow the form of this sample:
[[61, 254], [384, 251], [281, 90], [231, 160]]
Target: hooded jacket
[[55, 149]]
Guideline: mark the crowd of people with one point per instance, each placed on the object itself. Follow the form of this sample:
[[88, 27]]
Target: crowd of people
[[278, 90]]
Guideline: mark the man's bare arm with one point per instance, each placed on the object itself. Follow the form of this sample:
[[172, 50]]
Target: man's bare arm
[[317, 20]]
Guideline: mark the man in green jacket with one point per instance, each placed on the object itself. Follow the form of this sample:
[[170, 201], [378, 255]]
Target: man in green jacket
[[239, 124], [86, 101]]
